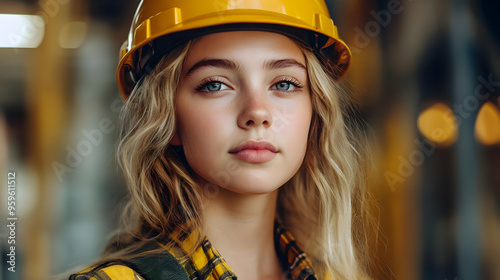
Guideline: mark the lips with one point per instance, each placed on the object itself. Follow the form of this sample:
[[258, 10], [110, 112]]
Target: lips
[[255, 151]]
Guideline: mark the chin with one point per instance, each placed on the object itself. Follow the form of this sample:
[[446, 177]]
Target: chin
[[252, 191], [254, 187]]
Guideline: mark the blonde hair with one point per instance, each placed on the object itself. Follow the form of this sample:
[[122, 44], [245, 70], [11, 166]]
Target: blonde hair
[[327, 196], [321, 205]]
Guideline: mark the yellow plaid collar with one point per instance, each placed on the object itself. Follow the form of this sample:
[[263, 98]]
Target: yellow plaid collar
[[207, 263]]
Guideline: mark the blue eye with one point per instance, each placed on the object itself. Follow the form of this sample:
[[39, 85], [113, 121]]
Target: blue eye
[[287, 85], [284, 86], [212, 86]]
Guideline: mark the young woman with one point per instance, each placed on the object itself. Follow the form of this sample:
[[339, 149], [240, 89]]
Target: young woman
[[237, 146]]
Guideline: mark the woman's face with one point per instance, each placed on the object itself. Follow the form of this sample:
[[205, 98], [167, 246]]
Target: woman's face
[[244, 109]]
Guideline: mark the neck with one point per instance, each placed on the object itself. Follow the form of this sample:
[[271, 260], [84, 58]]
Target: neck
[[241, 228]]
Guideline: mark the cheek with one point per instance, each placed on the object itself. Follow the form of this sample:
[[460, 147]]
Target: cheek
[[198, 123], [301, 135], [194, 136], [201, 131], [300, 127], [298, 119], [203, 135]]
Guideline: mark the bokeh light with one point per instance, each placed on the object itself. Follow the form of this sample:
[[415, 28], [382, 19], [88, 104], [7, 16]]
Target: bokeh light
[[21, 31], [487, 129], [438, 124]]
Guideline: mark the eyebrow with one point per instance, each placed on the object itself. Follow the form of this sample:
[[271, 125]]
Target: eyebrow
[[228, 64], [283, 63], [210, 62]]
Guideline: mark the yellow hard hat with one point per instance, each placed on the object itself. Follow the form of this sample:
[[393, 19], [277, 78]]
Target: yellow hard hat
[[160, 25]]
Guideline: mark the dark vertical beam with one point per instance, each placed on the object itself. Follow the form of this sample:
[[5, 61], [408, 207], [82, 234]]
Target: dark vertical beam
[[468, 216]]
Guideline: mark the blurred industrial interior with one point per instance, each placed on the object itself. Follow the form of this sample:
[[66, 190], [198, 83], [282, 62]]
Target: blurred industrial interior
[[426, 75]]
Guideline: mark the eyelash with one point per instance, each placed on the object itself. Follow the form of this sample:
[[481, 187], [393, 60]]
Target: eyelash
[[207, 81], [290, 80]]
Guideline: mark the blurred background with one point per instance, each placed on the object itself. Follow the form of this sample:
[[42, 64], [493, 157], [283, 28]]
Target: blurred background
[[426, 75]]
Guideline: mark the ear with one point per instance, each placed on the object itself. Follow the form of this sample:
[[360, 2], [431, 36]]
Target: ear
[[175, 141]]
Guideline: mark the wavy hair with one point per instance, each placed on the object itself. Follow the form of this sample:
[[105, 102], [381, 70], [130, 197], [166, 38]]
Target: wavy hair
[[323, 205]]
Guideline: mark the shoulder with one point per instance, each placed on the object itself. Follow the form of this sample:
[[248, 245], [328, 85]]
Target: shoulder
[[158, 265], [109, 272]]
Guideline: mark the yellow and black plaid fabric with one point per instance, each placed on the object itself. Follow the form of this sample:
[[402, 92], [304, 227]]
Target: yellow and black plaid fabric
[[296, 261], [204, 264], [207, 263]]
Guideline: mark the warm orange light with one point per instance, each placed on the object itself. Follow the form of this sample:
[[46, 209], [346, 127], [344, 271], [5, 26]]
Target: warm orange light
[[487, 128], [438, 124]]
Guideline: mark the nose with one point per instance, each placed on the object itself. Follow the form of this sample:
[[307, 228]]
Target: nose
[[255, 111]]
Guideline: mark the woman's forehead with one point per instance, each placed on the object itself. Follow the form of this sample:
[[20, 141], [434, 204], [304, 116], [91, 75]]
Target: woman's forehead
[[243, 47]]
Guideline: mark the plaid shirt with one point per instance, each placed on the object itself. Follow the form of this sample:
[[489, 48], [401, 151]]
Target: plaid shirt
[[207, 264]]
